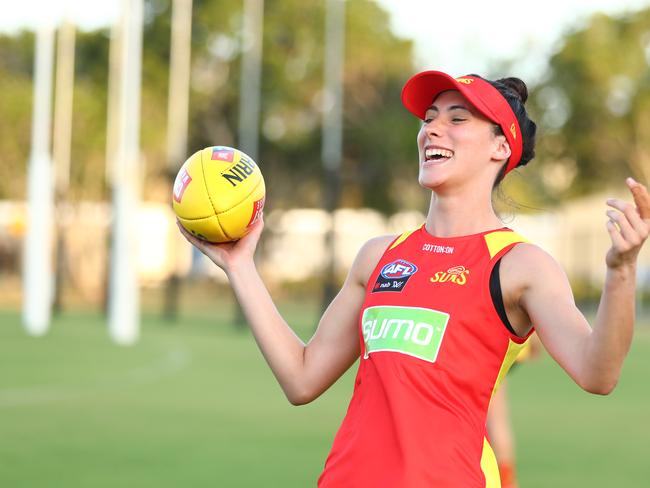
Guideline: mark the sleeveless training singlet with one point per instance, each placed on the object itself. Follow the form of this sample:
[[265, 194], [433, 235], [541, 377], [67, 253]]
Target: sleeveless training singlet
[[433, 351]]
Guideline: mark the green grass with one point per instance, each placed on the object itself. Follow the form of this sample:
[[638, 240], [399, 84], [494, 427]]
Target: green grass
[[194, 404]]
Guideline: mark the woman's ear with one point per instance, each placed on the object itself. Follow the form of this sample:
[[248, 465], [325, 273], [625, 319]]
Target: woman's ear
[[502, 149]]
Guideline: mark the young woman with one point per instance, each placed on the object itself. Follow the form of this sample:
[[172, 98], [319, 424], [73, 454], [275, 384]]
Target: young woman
[[437, 315]]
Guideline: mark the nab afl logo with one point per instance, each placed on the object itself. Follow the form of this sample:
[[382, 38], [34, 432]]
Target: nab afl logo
[[398, 269], [393, 276]]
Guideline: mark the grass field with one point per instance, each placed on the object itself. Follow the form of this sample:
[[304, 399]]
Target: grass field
[[193, 404]]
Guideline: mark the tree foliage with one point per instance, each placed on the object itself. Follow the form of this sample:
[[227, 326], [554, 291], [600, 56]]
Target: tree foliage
[[379, 136], [594, 106]]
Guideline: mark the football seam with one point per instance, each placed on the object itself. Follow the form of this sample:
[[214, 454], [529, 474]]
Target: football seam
[[207, 190], [247, 195], [215, 214], [228, 210]]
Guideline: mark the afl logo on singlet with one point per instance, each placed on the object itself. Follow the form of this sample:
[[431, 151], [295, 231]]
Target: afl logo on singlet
[[398, 269], [393, 276]]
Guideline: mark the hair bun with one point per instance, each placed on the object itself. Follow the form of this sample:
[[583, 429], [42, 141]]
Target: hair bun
[[517, 86]]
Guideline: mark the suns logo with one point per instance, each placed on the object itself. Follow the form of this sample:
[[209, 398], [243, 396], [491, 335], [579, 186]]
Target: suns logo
[[456, 274], [513, 130], [465, 81]]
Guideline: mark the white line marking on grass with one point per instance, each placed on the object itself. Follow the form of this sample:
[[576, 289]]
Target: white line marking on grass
[[173, 361]]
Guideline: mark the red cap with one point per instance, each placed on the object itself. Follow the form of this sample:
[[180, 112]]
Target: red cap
[[421, 90]]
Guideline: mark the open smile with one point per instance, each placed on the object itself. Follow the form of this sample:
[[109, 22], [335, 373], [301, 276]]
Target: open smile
[[437, 155]]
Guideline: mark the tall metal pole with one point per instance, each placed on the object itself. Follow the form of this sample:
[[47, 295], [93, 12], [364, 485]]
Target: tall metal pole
[[37, 268], [61, 144], [113, 104], [332, 148], [251, 77], [63, 106], [177, 117], [249, 91], [123, 309], [179, 83], [114, 77]]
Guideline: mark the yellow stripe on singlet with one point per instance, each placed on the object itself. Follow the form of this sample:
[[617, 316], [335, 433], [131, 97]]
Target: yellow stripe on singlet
[[489, 464], [496, 241], [511, 354], [490, 467], [401, 239]]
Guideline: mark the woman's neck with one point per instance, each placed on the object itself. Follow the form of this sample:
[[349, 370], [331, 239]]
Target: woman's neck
[[460, 215]]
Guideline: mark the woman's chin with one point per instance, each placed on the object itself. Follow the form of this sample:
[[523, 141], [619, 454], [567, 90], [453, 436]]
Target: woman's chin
[[430, 182]]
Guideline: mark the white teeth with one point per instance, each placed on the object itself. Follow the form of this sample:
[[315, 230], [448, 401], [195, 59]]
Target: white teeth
[[432, 152]]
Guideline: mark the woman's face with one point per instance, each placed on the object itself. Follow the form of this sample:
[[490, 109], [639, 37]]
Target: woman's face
[[455, 142]]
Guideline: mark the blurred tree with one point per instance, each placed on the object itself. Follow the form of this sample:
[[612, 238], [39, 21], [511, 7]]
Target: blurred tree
[[594, 106], [379, 137], [16, 69]]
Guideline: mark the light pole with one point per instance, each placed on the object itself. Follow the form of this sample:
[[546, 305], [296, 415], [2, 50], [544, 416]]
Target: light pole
[[123, 307], [37, 266], [332, 148]]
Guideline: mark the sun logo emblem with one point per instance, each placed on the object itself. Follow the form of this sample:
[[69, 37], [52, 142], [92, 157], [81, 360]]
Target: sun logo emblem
[[513, 130], [466, 81]]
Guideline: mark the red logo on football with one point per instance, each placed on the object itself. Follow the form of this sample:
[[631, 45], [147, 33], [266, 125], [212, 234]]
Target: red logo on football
[[182, 180], [257, 210], [222, 154]]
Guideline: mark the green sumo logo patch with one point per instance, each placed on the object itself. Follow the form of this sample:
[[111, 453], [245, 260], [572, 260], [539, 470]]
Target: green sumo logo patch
[[413, 331]]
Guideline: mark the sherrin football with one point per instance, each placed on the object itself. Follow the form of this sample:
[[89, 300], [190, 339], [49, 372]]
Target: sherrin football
[[218, 194]]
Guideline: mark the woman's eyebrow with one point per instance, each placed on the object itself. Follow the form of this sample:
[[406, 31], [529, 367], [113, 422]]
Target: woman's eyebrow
[[453, 107]]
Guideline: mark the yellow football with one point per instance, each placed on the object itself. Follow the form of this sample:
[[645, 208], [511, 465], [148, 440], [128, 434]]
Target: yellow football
[[218, 194]]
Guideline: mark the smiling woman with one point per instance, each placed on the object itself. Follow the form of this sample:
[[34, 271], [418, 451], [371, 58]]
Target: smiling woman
[[499, 103], [438, 314]]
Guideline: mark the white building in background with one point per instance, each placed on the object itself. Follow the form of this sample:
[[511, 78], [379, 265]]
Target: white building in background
[[293, 246]]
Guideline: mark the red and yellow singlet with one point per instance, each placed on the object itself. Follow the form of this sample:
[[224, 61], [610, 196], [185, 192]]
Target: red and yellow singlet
[[433, 350]]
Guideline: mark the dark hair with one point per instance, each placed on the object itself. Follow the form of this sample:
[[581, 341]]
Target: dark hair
[[515, 92]]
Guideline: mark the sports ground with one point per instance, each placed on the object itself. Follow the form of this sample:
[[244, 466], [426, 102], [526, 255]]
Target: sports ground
[[193, 404]]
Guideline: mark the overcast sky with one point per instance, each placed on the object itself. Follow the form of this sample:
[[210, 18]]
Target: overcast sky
[[468, 36], [458, 36]]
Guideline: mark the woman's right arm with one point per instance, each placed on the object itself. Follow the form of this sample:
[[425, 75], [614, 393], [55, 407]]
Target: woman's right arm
[[304, 371]]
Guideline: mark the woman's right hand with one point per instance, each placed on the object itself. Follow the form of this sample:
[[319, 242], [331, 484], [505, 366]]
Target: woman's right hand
[[228, 255]]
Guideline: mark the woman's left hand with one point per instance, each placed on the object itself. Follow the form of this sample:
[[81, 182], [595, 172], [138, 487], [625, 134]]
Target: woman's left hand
[[628, 226]]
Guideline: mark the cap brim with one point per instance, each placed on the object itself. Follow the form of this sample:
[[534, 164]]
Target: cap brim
[[420, 90]]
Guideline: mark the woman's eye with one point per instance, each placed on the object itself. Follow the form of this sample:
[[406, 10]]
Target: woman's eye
[[458, 119]]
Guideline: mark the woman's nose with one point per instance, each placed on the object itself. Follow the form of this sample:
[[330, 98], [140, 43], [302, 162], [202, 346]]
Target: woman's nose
[[432, 127]]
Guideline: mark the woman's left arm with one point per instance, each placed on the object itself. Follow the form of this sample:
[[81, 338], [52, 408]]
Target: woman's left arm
[[592, 357]]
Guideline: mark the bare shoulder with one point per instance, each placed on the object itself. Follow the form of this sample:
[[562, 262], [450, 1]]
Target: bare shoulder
[[527, 264], [369, 255]]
